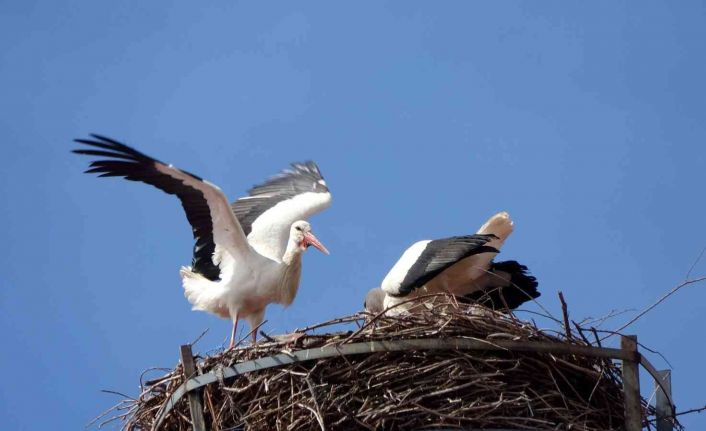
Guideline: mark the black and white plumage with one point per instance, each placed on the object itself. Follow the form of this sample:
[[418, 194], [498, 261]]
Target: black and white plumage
[[229, 277], [424, 262], [507, 285], [271, 207], [462, 268]]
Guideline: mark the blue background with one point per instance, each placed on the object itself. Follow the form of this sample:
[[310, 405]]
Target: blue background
[[586, 121]]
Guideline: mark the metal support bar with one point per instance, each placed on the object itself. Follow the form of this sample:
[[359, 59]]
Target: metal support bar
[[663, 405], [195, 404], [631, 384], [656, 377]]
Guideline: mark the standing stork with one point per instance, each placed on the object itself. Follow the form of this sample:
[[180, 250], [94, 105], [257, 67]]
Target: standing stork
[[462, 266], [246, 256]]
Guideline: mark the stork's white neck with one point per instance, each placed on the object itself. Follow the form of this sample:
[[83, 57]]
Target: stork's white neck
[[293, 253], [292, 261]]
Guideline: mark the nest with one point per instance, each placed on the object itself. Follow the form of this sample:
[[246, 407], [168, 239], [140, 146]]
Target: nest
[[405, 390]]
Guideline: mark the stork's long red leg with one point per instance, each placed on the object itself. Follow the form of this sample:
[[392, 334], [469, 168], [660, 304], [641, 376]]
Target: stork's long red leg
[[233, 332]]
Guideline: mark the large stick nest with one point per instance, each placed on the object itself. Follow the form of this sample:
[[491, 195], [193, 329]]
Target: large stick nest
[[404, 390]]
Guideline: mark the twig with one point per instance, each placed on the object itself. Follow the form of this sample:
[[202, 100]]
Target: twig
[[693, 265], [319, 416], [595, 335], [107, 391], [659, 301], [598, 321], [267, 337], [686, 412], [199, 337], [565, 313]]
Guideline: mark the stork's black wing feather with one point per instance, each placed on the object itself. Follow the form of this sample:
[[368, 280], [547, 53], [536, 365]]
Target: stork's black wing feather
[[123, 161], [301, 178], [522, 288], [440, 254]]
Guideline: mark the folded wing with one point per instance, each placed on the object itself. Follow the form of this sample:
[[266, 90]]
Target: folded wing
[[425, 260]]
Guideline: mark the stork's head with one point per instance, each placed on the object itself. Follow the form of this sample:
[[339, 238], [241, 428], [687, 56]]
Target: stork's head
[[374, 300], [302, 236]]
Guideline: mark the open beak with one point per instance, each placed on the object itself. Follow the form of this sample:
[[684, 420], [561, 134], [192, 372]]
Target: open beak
[[310, 239]]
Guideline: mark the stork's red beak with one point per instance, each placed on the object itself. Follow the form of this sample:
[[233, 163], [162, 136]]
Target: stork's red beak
[[310, 239]]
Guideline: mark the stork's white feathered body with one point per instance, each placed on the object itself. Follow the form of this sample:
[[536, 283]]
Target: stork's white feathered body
[[249, 284], [462, 266], [248, 254]]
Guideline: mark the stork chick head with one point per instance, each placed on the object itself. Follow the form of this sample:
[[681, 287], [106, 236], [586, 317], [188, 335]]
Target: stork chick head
[[374, 301], [302, 236]]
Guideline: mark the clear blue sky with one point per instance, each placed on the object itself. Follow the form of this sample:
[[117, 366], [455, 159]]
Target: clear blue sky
[[586, 121]]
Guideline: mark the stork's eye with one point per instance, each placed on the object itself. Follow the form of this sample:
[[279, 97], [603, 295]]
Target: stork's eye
[[299, 228]]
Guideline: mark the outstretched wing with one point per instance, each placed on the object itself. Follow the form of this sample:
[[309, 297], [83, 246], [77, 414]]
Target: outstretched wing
[[425, 260], [205, 205], [270, 208]]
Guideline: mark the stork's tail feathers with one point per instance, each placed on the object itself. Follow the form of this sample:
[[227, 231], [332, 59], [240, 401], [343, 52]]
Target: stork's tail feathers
[[202, 293], [522, 287]]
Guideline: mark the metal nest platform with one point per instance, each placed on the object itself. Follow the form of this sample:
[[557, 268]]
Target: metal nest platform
[[453, 367]]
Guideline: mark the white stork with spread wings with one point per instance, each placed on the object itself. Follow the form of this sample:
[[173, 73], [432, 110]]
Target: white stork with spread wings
[[245, 257]]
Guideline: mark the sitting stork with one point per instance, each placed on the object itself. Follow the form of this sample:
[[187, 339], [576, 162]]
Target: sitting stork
[[245, 256], [459, 266]]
